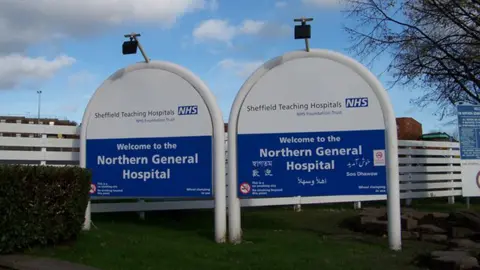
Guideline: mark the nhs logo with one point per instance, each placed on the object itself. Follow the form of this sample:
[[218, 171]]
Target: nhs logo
[[188, 110], [356, 102]]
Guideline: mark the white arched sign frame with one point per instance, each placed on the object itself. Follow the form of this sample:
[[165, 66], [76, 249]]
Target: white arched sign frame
[[219, 184], [393, 187]]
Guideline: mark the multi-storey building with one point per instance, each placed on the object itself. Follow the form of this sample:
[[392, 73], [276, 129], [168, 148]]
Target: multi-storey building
[[26, 138]]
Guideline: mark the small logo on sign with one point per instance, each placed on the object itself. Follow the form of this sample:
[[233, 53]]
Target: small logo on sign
[[356, 102], [93, 188], [188, 110], [245, 188], [378, 157]]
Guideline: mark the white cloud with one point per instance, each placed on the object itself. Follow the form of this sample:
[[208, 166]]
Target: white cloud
[[224, 31], [23, 23], [214, 29], [252, 27], [280, 4], [322, 3], [243, 69], [15, 69]]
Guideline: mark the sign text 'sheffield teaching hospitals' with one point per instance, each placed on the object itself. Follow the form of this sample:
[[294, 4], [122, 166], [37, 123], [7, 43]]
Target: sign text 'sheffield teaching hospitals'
[[296, 106], [181, 110], [143, 114], [293, 106]]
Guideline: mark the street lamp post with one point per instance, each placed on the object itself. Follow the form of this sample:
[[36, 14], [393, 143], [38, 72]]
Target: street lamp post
[[39, 92]]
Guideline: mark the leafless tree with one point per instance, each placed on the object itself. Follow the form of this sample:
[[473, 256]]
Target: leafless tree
[[434, 46]]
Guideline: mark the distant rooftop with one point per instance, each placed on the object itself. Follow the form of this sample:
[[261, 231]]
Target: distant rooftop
[[44, 120], [437, 136]]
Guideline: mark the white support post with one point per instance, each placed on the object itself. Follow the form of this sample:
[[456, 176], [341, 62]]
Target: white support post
[[234, 206], [298, 207], [88, 217], [88, 211], [219, 172], [141, 214], [393, 182], [357, 205]]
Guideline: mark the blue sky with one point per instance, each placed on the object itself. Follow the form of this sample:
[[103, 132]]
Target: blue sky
[[67, 48]]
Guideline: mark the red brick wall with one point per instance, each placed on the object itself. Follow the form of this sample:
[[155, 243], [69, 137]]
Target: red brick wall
[[408, 129]]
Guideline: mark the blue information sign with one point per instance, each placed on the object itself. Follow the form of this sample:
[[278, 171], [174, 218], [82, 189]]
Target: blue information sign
[[151, 167], [312, 164], [469, 131]]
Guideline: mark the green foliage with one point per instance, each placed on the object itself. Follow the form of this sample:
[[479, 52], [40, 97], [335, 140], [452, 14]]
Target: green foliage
[[41, 205]]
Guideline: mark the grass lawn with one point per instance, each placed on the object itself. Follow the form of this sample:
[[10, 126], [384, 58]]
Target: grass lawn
[[273, 239]]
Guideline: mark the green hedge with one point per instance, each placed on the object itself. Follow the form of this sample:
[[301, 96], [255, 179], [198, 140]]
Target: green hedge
[[41, 205]]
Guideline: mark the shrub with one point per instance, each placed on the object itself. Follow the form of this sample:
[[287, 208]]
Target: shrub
[[41, 205]]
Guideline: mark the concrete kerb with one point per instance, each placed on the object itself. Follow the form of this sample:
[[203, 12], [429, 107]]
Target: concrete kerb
[[25, 262]]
